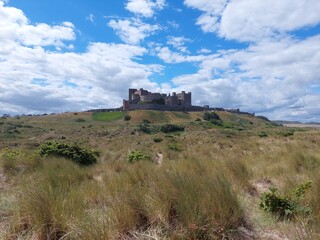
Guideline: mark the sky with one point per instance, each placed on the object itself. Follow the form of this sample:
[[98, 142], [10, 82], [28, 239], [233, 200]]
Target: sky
[[260, 56]]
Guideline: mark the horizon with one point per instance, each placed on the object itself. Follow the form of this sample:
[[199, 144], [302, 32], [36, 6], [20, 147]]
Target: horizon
[[73, 56]]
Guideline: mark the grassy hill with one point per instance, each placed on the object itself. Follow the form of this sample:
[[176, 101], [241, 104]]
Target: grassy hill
[[208, 180]]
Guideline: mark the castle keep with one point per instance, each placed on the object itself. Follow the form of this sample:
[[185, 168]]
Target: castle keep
[[145, 100]]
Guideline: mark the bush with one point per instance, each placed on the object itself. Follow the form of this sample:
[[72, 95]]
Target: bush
[[9, 157], [288, 133], [136, 156], [74, 152], [285, 207], [80, 120], [208, 116], [175, 147], [217, 122], [145, 121], [145, 128], [166, 128], [263, 134], [157, 139], [127, 117]]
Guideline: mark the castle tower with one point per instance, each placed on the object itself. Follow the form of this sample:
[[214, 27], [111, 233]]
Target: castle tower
[[131, 92]]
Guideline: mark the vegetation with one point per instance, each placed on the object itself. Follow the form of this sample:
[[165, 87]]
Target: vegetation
[[107, 116], [285, 206], [167, 128], [175, 147], [74, 152], [157, 139], [205, 182], [80, 120], [127, 117], [288, 133], [208, 116], [263, 134], [136, 156]]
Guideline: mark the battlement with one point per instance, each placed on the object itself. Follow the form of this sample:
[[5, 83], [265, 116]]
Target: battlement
[[143, 99]]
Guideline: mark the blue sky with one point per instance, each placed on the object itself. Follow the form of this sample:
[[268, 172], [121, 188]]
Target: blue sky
[[259, 56]]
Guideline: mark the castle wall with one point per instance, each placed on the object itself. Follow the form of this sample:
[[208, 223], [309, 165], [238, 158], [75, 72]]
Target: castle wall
[[151, 97], [144, 100], [163, 107]]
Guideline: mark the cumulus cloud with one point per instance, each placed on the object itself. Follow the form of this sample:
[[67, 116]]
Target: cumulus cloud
[[270, 78], [212, 10], [251, 20], [15, 26], [168, 56], [132, 31], [263, 19], [178, 43], [145, 8], [35, 80]]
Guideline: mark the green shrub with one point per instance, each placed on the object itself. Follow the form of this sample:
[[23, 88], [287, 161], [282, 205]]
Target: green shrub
[[263, 134], [288, 133], [217, 122], [145, 121], [9, 157], [73, 152], [136, 156], [127, 117], [157, 139], [175, 147], [80, 120], [208, 116], [145, 128], [285, 207], [166, 128]]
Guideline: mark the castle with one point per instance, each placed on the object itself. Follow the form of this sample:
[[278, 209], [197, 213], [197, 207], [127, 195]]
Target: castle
[[144, 100]]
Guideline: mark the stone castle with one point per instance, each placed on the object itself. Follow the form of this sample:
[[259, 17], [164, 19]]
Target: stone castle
[[144, 100]]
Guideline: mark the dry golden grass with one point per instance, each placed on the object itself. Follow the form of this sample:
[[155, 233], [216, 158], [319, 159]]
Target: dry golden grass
[[209, 190]]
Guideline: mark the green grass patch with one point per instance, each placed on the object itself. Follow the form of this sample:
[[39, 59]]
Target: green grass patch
[[107, 116], [157, 116], [181, 115]]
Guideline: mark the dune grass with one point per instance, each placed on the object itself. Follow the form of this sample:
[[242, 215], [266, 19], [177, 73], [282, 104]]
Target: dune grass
[[209, 189]]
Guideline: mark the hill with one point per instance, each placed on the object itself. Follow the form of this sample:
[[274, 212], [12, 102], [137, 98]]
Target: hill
[[159, 175]]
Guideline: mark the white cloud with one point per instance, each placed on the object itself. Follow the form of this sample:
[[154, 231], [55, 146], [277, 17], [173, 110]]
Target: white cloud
[[271, 78], [132, 31], [212, 10], [178, 43], [173, 24], [145, 8], [94, 79], [15, 26], [263, 19], [251, 20], [34, 80], [168, 56], [90, 18], [204, 50]]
